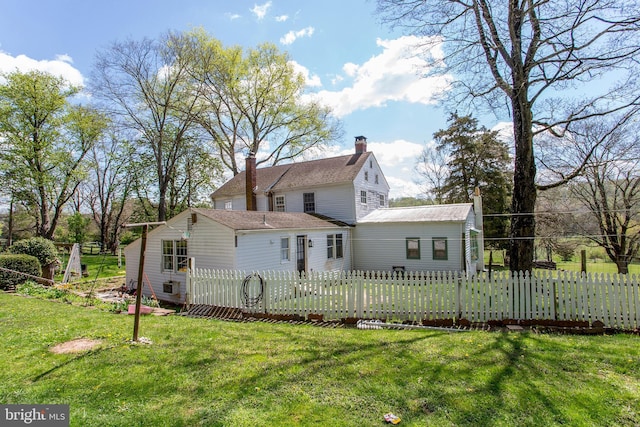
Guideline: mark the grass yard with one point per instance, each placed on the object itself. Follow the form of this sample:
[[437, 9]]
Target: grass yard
[[213, 373], [98, 266]]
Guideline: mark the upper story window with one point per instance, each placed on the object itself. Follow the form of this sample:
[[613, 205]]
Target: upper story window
[[309, 201], [370, 164], [279, 204], [363, 197], [366, 175], [228, 205], [174, 255], [377, 180]]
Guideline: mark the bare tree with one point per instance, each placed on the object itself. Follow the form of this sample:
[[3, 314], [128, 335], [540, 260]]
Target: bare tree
[[432, 168], [609, 189], [533, 59], [146, 85], [109, 188]]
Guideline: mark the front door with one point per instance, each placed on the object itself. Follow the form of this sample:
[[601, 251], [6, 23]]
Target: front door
[[301, 253]]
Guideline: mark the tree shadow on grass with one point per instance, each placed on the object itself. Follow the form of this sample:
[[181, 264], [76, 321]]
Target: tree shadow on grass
[[78, 357]]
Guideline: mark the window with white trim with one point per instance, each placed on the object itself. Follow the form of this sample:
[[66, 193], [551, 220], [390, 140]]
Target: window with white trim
[[279, 204], [174, 255], [381, 200], [363, 197], [284, 249], [475, 249], [228, 205], [309, 200], [334, 246]]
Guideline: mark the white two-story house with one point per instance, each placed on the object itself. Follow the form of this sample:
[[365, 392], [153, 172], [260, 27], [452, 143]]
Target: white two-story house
[[322, 215], [344, 188]]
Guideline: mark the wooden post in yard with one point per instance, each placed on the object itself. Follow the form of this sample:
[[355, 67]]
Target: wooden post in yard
[[583, 261], [143, 246]]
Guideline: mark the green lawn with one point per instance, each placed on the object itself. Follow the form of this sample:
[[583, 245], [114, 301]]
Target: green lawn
[[98, 266], [215, 373]]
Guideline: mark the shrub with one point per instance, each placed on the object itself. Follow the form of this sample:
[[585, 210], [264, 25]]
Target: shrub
[[18, 262], [44, 250]]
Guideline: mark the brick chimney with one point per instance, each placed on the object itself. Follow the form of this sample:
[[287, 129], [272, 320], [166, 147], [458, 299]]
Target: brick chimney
[[361, 144], [250, 171]]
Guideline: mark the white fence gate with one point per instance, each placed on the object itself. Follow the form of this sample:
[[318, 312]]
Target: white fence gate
[[610, 298]]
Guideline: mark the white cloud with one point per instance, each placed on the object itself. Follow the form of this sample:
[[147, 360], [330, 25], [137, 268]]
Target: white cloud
[[261, 10], [396, 153], [282, 18], [396, 160], [399, 187], [61, 66], [393, 75], [233, 16], [291, 36], [312, 80]]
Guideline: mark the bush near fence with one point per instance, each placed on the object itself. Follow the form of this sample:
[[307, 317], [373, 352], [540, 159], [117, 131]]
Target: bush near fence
[[612, 300]]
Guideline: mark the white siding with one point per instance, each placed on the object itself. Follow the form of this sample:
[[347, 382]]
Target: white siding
[[334, 201], [381, 246], [365, 181], [213, 246], [209, 243], [261, 250]]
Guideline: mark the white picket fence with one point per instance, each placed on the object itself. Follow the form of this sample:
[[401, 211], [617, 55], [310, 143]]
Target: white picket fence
[[610, 298]]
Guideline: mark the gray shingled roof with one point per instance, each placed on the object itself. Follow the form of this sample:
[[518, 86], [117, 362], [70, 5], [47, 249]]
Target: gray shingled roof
[[259, 220], [429, 213], [333, 170]]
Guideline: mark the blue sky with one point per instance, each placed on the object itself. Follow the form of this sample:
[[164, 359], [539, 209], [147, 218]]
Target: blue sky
[[366, 72]]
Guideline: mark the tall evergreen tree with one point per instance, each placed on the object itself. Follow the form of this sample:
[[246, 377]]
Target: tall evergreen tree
[[477, 158]]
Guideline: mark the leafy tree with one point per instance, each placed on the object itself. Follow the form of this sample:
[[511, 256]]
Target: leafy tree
[[533, 59], [77, 224], [475, 157], [44, 140], [253, 100]]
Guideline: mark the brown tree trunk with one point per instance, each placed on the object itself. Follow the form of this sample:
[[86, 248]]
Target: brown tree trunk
[[523, 203], [623, 265]]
